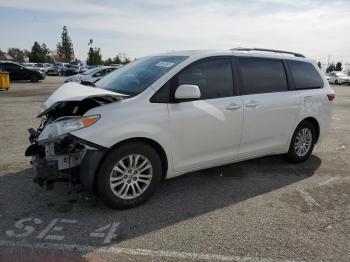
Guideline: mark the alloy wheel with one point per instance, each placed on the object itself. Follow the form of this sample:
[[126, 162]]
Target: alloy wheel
[[303, 142], [131, 176]]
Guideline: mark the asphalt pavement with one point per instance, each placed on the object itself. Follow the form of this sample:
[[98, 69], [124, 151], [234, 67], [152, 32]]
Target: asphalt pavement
[[260, 210]]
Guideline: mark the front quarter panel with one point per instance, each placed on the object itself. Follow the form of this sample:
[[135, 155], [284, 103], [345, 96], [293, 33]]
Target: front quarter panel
[[131, 118]]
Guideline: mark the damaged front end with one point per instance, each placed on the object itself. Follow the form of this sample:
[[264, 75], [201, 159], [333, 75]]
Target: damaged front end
[[56, 154], [56, 160]]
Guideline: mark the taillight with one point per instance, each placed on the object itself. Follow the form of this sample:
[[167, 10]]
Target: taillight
[[331, 97]]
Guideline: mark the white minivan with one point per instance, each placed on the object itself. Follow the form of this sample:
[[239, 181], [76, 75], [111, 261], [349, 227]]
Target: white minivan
[[169, 114]]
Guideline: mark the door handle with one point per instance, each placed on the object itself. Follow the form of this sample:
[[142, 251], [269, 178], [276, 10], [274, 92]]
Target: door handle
[[252, 104], [233, 106]]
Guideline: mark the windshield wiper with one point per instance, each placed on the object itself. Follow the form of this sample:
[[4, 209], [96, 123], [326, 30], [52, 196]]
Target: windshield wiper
[[87, 83]]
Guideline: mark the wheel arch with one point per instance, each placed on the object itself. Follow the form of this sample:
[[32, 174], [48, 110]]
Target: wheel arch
[[154, 144], [315, 123]]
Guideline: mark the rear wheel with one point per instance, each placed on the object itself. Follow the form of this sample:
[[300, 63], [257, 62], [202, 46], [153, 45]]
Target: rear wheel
[[302, 143], [34, 78], [129, 175]]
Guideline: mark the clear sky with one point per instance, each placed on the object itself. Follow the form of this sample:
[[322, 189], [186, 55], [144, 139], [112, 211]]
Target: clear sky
[[315, 28]]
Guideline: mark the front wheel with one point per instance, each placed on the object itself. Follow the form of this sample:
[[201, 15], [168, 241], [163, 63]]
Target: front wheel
[[302, 143], [129, 175]]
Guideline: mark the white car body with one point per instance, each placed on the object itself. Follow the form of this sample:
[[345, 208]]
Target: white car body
[[336, 77], [199, 134]]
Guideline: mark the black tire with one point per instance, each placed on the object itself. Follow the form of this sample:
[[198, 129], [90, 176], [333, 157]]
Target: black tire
[[103, 184], [34, 78], [292, 155]]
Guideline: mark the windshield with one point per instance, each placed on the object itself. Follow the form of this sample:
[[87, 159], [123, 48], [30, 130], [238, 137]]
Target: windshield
[[135, 77], [91, 71]]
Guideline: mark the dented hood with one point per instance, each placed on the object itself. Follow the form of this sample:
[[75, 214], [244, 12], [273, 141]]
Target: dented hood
[[72, 91]]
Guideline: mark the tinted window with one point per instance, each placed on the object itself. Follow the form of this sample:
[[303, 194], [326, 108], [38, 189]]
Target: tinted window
[[212, 76], [262, 76], [10, 66], [305, 75]]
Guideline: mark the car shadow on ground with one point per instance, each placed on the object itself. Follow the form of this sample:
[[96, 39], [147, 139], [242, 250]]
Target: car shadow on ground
[[176, 200]]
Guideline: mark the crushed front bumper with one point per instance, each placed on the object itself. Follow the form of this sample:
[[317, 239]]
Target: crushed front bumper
[[68, 159]]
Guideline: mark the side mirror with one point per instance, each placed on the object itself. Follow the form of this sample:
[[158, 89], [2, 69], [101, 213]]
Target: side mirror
[[187, 92]]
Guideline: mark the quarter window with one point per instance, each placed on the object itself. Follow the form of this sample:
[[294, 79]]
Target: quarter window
[[305, 75], [212, 76], [260, 75]]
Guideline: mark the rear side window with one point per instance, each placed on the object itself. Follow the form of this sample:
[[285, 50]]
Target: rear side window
[[305, 75], [260, 75], [212, 76]]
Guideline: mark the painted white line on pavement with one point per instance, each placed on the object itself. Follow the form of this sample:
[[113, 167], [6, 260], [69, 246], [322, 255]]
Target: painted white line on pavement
[[327, 181], [310, 201], [135, 252]]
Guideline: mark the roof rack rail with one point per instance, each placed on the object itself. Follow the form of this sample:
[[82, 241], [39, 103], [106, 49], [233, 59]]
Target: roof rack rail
[[267, 50]]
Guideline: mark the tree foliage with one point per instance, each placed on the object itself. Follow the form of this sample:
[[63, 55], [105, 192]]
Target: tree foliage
[[40, 54], [338, 66], [94, 55], [108, 61], [65, 51], [18, 54], [330, 68], [118, 59]]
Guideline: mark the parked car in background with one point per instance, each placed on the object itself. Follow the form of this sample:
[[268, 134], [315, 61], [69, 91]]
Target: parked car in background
[[338, 78], [64, 69], [54, 70], [68, 70], [43, 66], [28, 65], [34, 66], [19, 72], [165, 115], [91, 76]]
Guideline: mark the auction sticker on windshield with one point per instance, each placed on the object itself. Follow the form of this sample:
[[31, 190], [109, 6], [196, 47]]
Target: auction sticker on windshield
[[164, 64]]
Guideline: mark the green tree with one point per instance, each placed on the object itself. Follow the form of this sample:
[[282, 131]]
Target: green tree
[[37, 54], [330, 68], [117, 60], [338, 66], [65, 49], [17, 54], [108, 61], [26, 53], [126, 61], [94, 55]]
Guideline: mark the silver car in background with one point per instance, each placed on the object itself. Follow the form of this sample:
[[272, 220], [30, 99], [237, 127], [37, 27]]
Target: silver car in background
[[338, 78], [91, 76]]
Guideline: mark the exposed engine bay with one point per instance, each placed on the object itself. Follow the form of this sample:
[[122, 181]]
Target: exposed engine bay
[[57, 155]]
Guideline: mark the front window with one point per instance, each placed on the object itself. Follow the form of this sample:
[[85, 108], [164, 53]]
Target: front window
[[134, 78]]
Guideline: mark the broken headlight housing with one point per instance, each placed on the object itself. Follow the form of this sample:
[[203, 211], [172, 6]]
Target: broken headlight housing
[[66, 125]]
